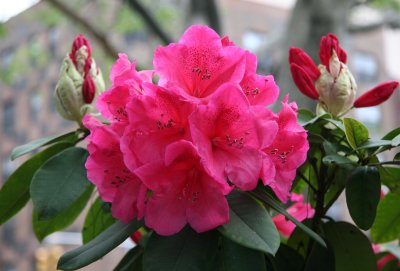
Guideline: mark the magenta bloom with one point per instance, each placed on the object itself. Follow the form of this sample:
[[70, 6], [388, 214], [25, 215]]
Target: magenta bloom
[[225, 133], [184, 191], [170, 152], [198, 64], [298, 210], [287, 152], [155, 121], [106, 169]]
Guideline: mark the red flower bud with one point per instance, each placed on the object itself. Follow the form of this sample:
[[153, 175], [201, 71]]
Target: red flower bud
[[302, 59], [329, 43], [80, 41], [136, 236], [377, 95], [88, 89], [303, 81]]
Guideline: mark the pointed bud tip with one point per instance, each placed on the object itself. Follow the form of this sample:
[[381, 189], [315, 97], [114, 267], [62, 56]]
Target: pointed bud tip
[[377, 95], [303, 81], [79, 41]]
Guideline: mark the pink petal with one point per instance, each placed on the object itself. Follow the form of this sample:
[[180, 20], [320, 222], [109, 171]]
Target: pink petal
[[199, 64]]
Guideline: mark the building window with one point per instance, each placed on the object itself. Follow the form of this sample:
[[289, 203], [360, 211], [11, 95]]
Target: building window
[[9, 118], [364, 66], [53, 39]]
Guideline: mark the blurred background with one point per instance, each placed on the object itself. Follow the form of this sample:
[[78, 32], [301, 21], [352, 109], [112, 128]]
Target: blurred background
[[35, 36]]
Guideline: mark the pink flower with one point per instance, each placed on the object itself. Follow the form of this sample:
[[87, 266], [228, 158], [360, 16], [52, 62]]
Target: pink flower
[[298, 210], [127, 83], [286, 153], [198, 64], [227, 137], [259, 90], [184, 191], [385, 259], [106, 169], [331, 83], [155, 121]]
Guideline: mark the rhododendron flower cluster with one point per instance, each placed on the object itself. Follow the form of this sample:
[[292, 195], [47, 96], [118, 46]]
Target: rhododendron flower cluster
[[170, 152], [298, 210], [331, 83]]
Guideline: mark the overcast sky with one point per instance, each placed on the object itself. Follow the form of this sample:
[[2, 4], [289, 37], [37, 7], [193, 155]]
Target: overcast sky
[[9, 8]]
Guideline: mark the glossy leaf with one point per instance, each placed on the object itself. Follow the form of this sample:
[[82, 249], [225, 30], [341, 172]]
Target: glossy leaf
[[250, 224], [374, 144], [98, 247], [287, 259], [97, 220], [43, 228], [356, 132], [363, 190], [59, 182], [132, 261], [387, 223], [14, 194], [336, 159], [352, 249], [396, 141], [390, 177], [279, 208], [31, 146], [186, 251], [320, 258], [234, 257]]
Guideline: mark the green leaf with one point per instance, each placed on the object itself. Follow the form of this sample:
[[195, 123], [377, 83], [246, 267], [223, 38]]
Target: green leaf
[[374, 144], [390, 176], [336, 159], [387, 223], [392, 134], [279, 208], [299, 240], [186, 251], [97, 220], [98, 247], [356, 132], [320, 258], [31, 146], [396, 141], [352, 249], [59, 182], [43, 228], [363, 189], [15, 192], [304, 116], [250, 224], [132, 261], [287, 259], [234, 257]]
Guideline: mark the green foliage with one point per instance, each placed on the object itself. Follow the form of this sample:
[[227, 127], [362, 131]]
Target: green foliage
[[352, 249], [363, 190], [132, 261], [66, 217], [98, 247], [234, 257], [97, 220], [250, 224], [14, 194], [356, 132], [59, 182], [186, 251], [38, 143], [387, 224]]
